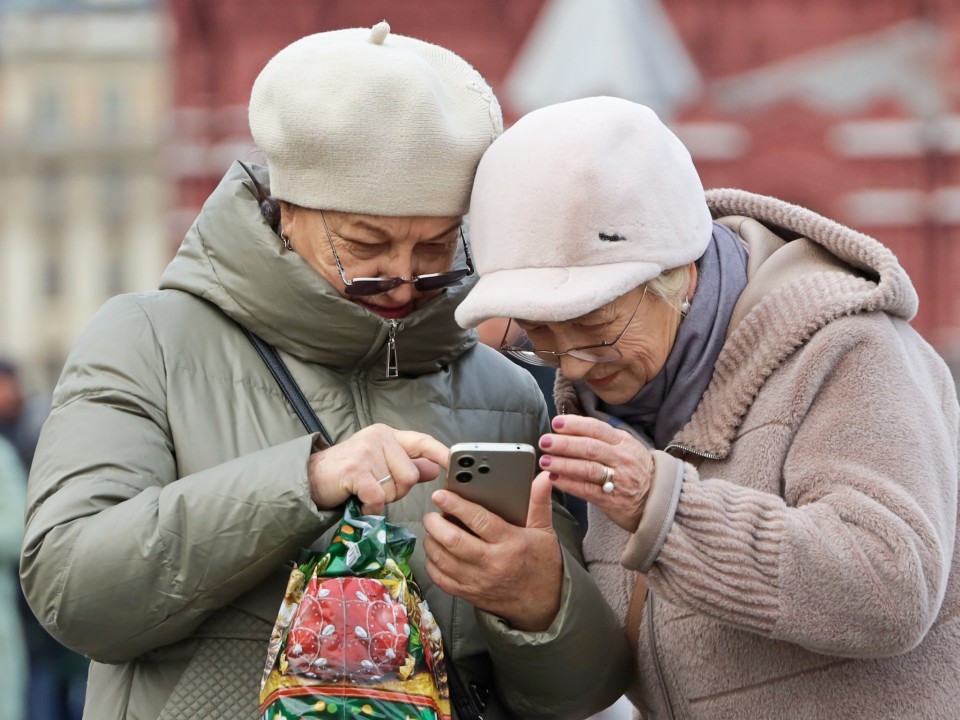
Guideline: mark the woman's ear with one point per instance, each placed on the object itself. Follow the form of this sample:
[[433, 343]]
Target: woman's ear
[[692, 288], [288, 214]]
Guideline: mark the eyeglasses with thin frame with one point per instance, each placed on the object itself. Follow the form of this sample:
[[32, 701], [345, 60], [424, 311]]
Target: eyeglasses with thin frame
[[374, 286], [602, 352]]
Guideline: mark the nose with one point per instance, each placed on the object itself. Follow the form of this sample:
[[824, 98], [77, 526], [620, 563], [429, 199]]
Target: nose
[[397, 264], [400, 265], [401, 294], [573, 368]]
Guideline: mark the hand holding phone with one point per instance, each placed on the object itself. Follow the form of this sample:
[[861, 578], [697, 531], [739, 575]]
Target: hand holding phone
[[511, 568], [494, 475]]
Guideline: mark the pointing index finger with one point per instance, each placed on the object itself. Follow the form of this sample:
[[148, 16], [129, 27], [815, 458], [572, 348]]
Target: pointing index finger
[[421, 445]]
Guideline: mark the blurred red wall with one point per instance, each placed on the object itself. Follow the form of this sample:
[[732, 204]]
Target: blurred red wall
[[221, 46]]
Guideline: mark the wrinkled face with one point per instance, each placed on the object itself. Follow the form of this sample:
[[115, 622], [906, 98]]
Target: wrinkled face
[[372, 246], [644, 346]]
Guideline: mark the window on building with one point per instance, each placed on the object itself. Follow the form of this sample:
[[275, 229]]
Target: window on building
[[52, 367], [51, 200], [115, 275], [53, 268], [49, 112], [114, 194], [116, 245], [114, 108], [52, 212]]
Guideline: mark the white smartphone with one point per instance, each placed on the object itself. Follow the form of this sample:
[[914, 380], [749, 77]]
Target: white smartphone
[[494, 475]]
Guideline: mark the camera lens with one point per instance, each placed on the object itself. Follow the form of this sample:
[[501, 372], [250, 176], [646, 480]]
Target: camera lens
[[483, 469], [465, 461], [464, 477]]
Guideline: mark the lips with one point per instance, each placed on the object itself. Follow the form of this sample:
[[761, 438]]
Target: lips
[[390, 313], [602, 381]]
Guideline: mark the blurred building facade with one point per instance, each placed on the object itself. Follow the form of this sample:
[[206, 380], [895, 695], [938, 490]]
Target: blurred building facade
[[84, 102], [849, 107]]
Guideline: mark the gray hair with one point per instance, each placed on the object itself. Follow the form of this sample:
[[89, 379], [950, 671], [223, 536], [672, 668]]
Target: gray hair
[[671, 285]]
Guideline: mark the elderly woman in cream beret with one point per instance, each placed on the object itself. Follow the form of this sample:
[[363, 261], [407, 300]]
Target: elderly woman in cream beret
[[174, 482], [768, 448]]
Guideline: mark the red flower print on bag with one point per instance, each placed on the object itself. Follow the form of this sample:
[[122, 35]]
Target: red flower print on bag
[[347, 627]]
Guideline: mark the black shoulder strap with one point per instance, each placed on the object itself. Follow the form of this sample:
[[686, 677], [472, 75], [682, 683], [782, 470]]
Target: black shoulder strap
[[288, 385], [468, 704]]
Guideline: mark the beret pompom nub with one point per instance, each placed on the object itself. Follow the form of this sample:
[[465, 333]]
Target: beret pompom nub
[[362, 120], [576, 204]]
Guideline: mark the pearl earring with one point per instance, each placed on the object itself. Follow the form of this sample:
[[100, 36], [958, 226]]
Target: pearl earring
[[685, 307]]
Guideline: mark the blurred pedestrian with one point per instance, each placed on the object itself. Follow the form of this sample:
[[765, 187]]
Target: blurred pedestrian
[[56, 679], [13, 653], [21, 412]]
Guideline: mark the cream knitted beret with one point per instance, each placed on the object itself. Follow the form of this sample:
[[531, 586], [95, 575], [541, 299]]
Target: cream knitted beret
[[575, 205], [364, 121]]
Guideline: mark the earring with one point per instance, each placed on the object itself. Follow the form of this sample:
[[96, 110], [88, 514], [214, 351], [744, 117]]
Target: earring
[[685, 307], [286, 242]]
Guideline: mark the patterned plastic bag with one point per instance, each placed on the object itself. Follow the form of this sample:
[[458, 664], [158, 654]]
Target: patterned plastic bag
[[354, 637]]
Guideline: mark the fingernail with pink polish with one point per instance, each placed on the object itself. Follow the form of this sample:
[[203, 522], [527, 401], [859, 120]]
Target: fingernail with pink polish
[[546, 441], [558, 422]]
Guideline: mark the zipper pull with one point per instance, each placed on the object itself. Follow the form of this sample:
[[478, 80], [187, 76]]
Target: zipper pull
[[392, 369]]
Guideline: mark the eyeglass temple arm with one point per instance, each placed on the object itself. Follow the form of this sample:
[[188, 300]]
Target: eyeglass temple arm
[[466, 250], [333, 249]]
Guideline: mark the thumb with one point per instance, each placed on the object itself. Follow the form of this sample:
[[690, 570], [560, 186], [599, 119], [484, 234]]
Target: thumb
[[540, 514], [428, 469]]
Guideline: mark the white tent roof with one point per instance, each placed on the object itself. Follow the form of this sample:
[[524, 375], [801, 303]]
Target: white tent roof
[[581, 48]]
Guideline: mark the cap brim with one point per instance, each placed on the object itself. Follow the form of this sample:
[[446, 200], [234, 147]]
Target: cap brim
[[550, 294]]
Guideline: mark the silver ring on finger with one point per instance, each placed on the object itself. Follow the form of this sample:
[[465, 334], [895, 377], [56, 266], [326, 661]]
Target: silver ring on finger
[[385, 479], [606, 480]]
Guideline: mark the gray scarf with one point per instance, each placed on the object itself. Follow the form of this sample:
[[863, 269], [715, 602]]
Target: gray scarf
[[666, 403]]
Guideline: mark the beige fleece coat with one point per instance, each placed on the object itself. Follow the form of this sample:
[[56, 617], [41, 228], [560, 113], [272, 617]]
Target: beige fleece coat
[[807, 567]]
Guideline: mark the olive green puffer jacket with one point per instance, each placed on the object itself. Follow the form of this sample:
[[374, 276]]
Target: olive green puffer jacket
[[170, 490]]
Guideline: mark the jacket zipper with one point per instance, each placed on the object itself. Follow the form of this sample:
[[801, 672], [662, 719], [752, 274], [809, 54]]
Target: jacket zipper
[[463, 700], [656, 655], [393, 370], [358, 385], [692, 451]]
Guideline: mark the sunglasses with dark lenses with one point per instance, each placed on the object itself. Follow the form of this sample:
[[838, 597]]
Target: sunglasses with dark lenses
[[374, 286]]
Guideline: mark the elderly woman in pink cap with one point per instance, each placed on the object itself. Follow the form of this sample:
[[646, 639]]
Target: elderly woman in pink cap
[[768, 448]]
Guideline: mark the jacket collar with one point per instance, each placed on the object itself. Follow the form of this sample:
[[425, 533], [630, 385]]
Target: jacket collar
[[233, 259]]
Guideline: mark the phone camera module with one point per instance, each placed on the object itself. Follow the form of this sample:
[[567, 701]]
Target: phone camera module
[[465, 462], [464, 477], [483, 469]]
